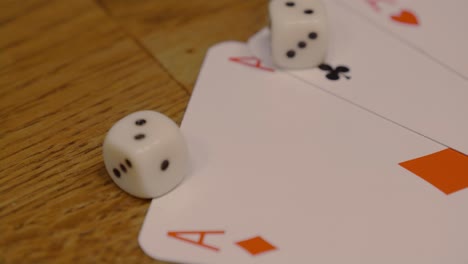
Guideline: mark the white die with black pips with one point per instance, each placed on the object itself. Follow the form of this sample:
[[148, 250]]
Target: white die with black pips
[[145, 154], [299, 33]]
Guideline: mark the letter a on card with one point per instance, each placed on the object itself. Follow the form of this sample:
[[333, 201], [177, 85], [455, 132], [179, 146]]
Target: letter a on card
[[252, 62], [183, 235]]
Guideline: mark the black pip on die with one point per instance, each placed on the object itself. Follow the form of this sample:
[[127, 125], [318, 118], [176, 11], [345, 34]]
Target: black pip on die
[[299, 33], [145, 154]]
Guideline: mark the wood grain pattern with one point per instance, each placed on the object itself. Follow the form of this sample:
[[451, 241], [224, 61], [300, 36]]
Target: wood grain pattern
[[178, 35], [68, 71]]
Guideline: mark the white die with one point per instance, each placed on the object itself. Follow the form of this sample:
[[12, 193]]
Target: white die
[[145, 154], [299, 33]]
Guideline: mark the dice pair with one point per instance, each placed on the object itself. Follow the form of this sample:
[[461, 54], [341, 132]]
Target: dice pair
[[145, 154], [299, 33]]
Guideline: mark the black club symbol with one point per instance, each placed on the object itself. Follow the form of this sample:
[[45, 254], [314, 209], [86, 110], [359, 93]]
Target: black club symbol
[[335, 73]]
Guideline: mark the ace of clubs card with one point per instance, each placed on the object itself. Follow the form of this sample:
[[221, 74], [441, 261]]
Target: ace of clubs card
[[387, 76]]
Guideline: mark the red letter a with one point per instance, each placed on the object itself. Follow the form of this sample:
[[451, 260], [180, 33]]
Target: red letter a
[[252, 62], [179, 234]]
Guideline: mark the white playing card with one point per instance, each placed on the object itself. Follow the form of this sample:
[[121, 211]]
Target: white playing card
[[432, 27], [387, 77], [286, 173]]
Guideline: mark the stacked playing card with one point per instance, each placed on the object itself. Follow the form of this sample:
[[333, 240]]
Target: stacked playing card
[[361, 160]]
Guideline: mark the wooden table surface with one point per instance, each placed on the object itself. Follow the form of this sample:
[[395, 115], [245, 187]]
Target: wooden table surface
[[69, 69]]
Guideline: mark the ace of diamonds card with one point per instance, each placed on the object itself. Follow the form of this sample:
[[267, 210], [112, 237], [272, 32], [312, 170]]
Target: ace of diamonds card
[[286, 173], [320, 166]]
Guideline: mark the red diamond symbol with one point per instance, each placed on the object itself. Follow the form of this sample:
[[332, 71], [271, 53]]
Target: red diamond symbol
[[256, 245], [447, 170]]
